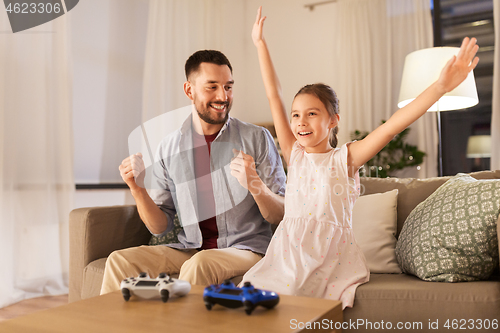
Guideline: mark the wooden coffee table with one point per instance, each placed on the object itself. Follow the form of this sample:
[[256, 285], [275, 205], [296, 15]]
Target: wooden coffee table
[[110, 313]]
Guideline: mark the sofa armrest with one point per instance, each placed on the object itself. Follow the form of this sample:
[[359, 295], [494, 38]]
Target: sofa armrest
[[96, 232]]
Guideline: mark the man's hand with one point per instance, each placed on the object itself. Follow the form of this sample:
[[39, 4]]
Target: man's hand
[[458, 67], [271, 205], [257, 27], [243, 168], [132, 171]]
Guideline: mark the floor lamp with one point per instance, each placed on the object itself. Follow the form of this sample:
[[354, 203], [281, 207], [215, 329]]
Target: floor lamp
[[421, 69], [478, 147]]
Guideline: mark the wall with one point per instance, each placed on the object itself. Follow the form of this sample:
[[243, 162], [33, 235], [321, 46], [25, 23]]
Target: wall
[[301, 45], [109, 39], [95, 198]]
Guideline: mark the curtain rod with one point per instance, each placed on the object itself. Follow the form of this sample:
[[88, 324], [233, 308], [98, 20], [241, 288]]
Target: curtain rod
[[312, 5]]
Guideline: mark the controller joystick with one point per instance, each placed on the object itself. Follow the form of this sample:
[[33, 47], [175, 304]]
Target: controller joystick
[[228, 295], [145, 287]]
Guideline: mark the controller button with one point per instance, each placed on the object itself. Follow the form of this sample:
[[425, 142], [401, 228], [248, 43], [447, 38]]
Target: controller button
[[247, 284], [227, 282], [162, 275], [143, 275]]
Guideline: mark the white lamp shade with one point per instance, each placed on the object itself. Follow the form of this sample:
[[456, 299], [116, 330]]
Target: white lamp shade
[[479, 146], [423, 67]]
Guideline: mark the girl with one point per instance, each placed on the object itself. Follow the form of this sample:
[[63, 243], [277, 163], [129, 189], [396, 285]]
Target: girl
[[313, 251]]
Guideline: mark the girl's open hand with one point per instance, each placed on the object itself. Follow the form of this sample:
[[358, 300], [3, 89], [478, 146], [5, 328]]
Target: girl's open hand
[[457, 68], [257, 35]]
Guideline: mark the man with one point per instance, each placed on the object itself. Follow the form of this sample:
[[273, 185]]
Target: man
[[224, 179]]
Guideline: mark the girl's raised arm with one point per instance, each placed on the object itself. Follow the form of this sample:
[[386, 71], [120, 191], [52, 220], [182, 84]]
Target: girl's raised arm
[[453, 73], [273, 89]]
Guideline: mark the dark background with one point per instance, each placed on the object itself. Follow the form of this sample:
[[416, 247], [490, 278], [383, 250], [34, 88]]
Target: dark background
[[454, 20]]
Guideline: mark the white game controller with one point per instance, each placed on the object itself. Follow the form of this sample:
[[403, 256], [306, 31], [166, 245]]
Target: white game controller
[[145, 287]]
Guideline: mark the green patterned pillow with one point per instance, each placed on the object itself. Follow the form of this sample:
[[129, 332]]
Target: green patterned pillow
[[170, 237], [451, 236]]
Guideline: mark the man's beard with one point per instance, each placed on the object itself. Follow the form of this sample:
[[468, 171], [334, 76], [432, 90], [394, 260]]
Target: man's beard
[[207, 116]]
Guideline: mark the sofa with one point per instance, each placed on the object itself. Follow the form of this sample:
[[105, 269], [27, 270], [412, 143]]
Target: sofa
[[399, 300]]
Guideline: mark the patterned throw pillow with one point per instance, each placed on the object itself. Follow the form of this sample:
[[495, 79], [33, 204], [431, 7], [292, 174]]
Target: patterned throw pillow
[[170, 237], [451, 236]]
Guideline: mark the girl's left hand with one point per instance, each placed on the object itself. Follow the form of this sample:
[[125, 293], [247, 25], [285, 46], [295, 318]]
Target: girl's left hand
[[457, 68], [258, 26]]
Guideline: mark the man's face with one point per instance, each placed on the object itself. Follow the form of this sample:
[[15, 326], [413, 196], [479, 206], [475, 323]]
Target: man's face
[[211, 90]]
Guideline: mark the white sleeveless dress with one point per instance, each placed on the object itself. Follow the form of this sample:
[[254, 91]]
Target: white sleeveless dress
[[313, 251]]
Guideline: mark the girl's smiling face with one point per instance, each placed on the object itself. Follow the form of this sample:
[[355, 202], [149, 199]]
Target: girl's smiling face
[[311, 123]]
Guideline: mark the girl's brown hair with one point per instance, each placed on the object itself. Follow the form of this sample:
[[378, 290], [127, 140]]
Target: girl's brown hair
[[328, 97]]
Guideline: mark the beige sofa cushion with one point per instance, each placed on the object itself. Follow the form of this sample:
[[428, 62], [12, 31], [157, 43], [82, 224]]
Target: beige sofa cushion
[[374, 223], [412, 191], [94, 233], [404, 298], [92, 278]]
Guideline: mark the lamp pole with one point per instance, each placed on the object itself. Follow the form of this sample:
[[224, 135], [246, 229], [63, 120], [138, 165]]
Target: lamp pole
[[440, 143], [438, 38], [437, 42]]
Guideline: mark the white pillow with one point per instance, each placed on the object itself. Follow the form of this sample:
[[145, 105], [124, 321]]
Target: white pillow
[[374, 222]]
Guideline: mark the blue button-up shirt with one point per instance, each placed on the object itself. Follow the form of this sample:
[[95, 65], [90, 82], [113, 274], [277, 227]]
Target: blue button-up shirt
[[239, 221]]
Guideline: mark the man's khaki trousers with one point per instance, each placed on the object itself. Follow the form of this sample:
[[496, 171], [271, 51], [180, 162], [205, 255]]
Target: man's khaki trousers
[[197, 267]]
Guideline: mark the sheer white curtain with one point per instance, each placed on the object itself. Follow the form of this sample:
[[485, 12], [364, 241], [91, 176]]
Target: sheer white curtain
[[36, 168], [176, 29], [373, 38], [495, 107]]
